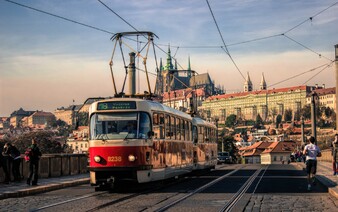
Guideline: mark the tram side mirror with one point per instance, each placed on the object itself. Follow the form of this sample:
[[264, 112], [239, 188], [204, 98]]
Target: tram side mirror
[[151, 134]]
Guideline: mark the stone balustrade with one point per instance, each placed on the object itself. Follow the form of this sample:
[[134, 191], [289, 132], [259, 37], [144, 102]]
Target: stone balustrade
[[54, 165]]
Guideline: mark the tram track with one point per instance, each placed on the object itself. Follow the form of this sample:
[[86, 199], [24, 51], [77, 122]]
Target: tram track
[[233, 200], [177, 195], [236, 198]]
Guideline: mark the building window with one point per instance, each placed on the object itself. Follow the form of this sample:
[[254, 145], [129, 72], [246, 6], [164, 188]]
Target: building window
[[274, 158]]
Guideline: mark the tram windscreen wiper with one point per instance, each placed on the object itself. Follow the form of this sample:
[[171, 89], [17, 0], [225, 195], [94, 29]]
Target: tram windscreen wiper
[[126, 138]]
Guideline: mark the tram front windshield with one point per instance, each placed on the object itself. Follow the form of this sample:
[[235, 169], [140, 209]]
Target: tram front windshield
[[113, 126]]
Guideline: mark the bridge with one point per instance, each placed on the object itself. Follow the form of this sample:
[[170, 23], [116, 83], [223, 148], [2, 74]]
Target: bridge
[[68, 171]]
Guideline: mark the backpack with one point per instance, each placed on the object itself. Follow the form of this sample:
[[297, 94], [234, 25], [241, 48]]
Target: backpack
[[28, 154]]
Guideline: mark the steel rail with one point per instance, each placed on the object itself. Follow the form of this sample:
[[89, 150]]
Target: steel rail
[[233, 201], [195, 191]]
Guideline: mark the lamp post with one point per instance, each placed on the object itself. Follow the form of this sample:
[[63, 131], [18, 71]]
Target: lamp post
[[216, 122], [314, 97]]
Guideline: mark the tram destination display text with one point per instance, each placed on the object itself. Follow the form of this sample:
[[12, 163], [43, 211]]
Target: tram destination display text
[[122, 105]]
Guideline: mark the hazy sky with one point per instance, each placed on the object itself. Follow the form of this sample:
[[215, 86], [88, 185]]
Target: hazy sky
[[47, 62]]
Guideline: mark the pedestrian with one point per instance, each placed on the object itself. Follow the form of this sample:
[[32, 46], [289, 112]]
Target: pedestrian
[[334, 147], [34, 163], [6, 160], [16, 161], [311, 151]]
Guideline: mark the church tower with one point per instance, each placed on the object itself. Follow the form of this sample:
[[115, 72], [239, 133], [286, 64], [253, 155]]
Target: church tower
[[247, 83], [262, 85], [189, 68]]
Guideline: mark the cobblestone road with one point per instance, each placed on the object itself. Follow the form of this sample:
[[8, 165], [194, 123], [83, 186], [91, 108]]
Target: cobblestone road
[[275, 202]]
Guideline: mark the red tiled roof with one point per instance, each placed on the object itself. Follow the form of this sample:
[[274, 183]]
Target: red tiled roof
[[42, 113], [271, 91], [325, 91], [283, 146], [255, 149]]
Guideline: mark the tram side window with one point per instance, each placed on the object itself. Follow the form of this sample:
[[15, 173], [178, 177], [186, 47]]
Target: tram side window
[[173, 127], [213, 135], [194, 134], [200, 134], [167, 127], [178, 129], [183, 130], [190, 131], [144, 125], [156, 126], [207, 136], [161, 120]]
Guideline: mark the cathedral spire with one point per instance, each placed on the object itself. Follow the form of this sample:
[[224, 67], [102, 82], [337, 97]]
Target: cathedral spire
[[262, 85], [169, 65], [247, 83]]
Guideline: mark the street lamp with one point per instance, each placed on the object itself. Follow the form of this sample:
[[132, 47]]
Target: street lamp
[[216, 122]]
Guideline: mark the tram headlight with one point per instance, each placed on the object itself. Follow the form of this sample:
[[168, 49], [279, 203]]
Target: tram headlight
[[131, 158], [97, 159]]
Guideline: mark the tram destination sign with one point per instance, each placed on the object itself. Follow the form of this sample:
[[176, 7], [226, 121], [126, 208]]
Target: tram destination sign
[[118, 105]]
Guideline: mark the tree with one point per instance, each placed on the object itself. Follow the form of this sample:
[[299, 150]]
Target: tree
[[259, 121], [46, 140], [306, 112], [230, 147], [278, 120], [288, 115], [328, 112], [230, 120], [297, 115], [273, 113], [82, 119]]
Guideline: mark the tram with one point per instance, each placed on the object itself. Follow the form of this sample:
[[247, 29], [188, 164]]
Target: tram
[[143, 141], [132, 138]]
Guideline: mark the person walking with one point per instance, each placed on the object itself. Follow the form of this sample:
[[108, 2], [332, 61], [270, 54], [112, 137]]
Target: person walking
[[16, 161], [6, 162], [311, 151], [334, 146], [34, 164]]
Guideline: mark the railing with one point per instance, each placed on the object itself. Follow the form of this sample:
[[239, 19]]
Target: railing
[[53, 165], [326, 155]]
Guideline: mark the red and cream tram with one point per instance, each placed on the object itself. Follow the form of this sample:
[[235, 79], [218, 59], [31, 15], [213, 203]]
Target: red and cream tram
[[143, 141]]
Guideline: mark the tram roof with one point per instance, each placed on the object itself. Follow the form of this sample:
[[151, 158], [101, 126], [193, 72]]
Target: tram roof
[[154, 106], [199, 121]]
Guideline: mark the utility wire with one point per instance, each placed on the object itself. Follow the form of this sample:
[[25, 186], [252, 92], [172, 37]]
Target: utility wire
[[320, 55], [57, 16], [309, 19], [327, 66], [225, 47], [297, 75], [118, 15], [157, 45]]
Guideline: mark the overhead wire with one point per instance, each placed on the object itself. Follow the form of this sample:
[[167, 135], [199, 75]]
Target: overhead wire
[[297, 75], [58, 16], [327, 66], [157, 45], [310, 18], [225, 47], [320, 55]]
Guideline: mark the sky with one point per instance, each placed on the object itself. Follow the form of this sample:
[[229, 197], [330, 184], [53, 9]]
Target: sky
[[47, 62]]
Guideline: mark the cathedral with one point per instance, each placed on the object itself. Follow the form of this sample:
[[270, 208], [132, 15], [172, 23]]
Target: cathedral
[[169, 78]]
